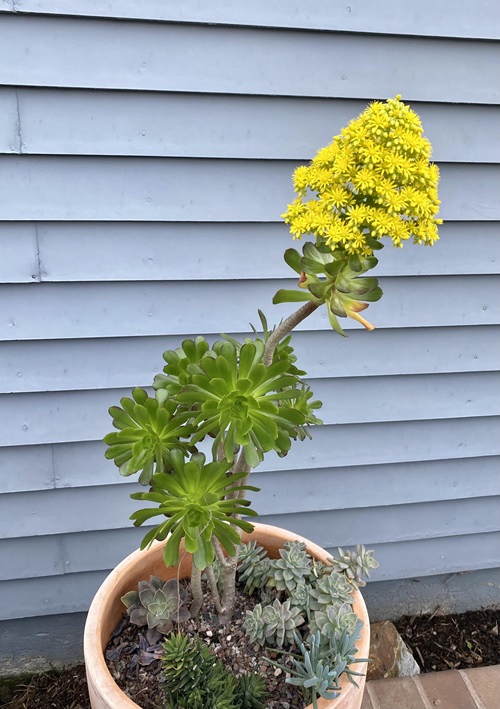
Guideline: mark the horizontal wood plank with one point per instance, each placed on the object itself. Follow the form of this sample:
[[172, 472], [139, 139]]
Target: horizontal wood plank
[[284, 492], [136, 309], [429, 557], [57, 417], [9, 122], [82, 464], [109, 507], [73, 592], [72, 122], [80, 252], [85, 53], [64, 365], [480, 20], [148, 189], [62, 252], [19, 254]]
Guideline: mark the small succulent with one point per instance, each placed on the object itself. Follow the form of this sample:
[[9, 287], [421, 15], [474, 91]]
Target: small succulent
[[329, 589], [251, 691], [180, 656], [254, 625], [293, 568], [194, 678], [280, 620], [253, 566], [336, 618], [312, 672], [354, 564], [302, 597], [156, 604], [319, 666]]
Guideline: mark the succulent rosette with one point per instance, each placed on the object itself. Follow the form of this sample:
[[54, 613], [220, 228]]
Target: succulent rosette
[[149, 428], [244, 401], [199, 501], [181, 364], [157, 604]]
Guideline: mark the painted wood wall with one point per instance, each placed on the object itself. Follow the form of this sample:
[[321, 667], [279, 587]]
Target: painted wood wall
[[146, 155]]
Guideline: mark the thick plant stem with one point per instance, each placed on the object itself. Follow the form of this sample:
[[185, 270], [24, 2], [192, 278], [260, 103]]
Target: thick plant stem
[[229, 590], [197, 592], [218, 551], [286, 326], [240, 467], [212, 582]]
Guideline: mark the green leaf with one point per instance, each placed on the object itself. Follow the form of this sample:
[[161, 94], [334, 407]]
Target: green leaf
[[292, 258], [292, 296]]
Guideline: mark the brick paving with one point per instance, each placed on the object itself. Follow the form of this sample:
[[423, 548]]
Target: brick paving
[[478, 688]]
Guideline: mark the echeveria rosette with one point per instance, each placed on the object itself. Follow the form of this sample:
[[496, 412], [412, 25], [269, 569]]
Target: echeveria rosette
[[157, 604], [192, 498], [148, 429], [245, 401]]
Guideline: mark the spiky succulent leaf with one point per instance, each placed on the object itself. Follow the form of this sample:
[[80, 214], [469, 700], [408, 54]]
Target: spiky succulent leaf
[[181, 364], [194, 678], [194, 500], [148, 429], [319, 666], [251, 691]]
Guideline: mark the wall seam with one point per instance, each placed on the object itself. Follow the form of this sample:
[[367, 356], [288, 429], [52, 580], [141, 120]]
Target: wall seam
[[18, 118], [38, 275]]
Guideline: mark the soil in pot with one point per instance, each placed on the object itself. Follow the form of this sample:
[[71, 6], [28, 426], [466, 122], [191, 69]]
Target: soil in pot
[[135, 666]]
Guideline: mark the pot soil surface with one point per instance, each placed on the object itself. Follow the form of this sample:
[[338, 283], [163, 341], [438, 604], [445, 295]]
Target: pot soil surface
[[458, 641]]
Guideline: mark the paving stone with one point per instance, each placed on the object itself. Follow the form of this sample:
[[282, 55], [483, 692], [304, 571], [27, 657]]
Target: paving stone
[[486, 682], [366, 703], [446, 690], [397, 693]]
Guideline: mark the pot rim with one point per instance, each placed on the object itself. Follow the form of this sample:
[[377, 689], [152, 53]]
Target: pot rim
[[99, 677]]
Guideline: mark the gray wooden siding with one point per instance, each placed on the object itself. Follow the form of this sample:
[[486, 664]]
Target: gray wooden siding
[[121, 155]]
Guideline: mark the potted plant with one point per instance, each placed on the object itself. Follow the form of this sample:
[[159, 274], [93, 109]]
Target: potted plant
[[236, 402]]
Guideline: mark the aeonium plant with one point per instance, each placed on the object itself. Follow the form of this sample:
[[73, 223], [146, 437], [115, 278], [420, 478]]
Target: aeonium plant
[[373, 181]]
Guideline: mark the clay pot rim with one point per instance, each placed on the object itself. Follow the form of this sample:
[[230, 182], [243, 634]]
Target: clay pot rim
[[100, 679]]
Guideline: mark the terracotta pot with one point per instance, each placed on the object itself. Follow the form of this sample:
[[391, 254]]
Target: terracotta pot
[[107, 609]]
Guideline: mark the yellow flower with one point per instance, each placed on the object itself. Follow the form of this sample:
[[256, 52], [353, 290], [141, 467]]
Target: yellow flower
[[374, 178]]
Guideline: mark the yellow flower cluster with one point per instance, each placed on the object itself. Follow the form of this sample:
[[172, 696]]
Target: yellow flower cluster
[[373, 180]]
